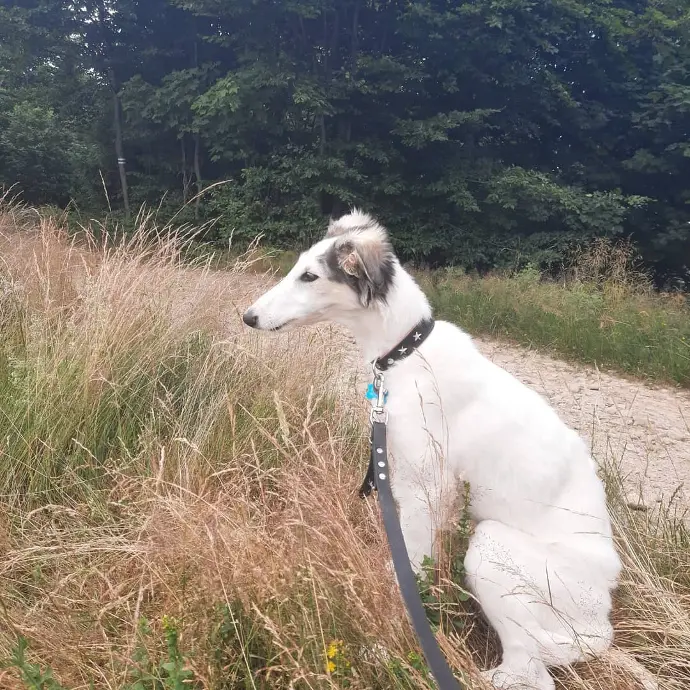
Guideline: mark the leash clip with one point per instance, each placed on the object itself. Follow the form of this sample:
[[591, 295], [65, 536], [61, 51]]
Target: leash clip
[[378, 410]]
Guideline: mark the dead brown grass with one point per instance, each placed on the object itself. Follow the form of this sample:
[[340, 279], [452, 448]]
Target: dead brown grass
[[222, 495]]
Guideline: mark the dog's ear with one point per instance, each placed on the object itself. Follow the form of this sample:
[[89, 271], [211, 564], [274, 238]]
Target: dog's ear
[[368, 261]]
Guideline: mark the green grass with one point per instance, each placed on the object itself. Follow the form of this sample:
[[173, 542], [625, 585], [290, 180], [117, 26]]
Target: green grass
[[641, 333]]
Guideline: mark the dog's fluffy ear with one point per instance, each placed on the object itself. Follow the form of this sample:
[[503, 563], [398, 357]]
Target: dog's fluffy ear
[[366, 258]]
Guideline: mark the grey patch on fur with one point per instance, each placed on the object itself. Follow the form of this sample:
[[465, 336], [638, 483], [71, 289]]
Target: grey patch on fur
[[375, 265]]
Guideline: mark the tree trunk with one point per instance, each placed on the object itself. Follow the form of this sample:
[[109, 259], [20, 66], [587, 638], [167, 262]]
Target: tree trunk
[[354, 56], [322, 127], [185, 176], [197, 143], [117, 120], [354, 45], [119, 151], [197, 174]]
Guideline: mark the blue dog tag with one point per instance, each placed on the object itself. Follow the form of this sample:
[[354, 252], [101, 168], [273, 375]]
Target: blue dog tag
[[371, 393]]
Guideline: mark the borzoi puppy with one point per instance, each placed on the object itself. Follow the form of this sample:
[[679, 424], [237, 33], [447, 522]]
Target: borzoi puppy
[[541, 562]]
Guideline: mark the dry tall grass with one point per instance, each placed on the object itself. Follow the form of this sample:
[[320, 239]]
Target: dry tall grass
[[177, 496]]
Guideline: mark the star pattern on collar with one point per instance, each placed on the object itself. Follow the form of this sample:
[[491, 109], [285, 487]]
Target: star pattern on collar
[[407, 346]]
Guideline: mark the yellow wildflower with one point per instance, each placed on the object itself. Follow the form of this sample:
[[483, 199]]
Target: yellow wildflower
[[334, 649], [169, 623], [335, 657]]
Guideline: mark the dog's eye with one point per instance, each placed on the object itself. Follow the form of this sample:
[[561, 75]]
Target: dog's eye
[[307, 277]]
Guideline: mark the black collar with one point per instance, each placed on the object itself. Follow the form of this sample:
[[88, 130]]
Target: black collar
[[407, 345]]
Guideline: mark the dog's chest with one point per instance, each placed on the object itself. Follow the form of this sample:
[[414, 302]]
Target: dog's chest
[[430, 431], [415, 422]]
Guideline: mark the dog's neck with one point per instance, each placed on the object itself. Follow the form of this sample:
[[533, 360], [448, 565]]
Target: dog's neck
[[381, 327]]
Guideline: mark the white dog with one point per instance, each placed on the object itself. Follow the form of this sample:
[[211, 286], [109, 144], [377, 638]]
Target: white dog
[[541, 562]]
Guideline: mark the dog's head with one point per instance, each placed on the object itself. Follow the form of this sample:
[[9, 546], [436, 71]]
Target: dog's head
[[351, 269]]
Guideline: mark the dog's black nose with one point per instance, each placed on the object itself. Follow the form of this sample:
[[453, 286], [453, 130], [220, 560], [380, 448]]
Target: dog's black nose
[[250, 318]]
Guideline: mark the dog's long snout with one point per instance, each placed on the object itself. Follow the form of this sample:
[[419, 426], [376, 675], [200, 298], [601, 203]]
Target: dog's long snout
[[250, 318]]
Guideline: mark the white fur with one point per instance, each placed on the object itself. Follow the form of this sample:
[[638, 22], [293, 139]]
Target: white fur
[[542, 561]]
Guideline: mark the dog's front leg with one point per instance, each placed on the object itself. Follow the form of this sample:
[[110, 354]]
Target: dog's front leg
[[422, 483], [417, 522]]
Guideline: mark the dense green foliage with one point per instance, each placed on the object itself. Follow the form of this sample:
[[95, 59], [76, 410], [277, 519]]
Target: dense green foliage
[[485, 133]]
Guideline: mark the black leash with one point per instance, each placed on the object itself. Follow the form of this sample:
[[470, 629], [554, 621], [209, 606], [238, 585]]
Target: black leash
[[378, 478]]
